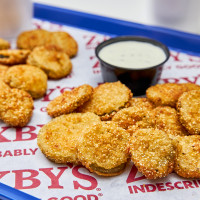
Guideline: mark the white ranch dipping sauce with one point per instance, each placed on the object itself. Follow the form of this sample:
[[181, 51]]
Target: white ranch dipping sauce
[[132, 54]]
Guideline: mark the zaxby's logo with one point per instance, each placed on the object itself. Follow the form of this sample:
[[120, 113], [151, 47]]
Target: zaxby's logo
[[135, 186]]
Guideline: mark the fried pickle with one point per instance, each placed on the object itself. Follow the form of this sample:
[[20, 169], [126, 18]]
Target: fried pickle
[[56, 64], [31, 39], [3, 69], [4, 44], [166, 119], [188, 107], [69, 100], [152, 152], [103, 148], [187, 160], [59, 138], [142, 102], [13, 56], [29, 78], [107, 99], [140, 117], [16, 107]]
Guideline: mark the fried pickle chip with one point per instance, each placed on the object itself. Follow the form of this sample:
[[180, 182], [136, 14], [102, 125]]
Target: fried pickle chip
[[103, 148], [107, 99], [39, 37], [142, 102], [188, 107], [56, 64], [59, 138], [152, 152], [187, 159], [31, 39], [4, 44], [29, 78], [16, 107], [140, 117], [166, 119], [65, 42], [3, 86], [13, 56], [165, 94], [69, 100]]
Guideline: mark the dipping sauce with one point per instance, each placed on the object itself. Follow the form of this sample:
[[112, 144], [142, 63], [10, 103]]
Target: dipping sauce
[[132, 54]]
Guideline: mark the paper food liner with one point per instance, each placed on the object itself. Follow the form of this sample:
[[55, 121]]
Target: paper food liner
[[24, 167]]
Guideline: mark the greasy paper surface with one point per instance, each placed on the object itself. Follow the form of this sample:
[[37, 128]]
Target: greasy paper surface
[[24, 167]]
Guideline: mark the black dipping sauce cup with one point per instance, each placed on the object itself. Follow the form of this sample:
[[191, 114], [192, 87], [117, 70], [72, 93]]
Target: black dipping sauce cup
[[137, 79]]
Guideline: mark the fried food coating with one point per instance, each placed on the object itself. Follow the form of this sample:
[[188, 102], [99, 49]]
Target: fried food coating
[[16, 107], [143, 102], [59, 138], [166, 119], [188, 107], [33, 38], [187, 160], [13, 56], [140, 117], [3, 86], [152, 152], [29, 78], [165, 94], [56, 64], [69, 100], [3, 69], [61, 40], [103, 148], [65, 42], [4, 44], [107, 99]]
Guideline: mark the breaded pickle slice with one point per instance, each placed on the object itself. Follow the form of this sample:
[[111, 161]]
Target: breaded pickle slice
[[69, 100], [103, 149], [3, 69], [142, 102], [136, 115], [13, 56], [187, 161], [152, 152], [4, 44], [107, 99], [166, 119], [16, 107], [188, 107], [59, 138], [28, 78], [56, 64]]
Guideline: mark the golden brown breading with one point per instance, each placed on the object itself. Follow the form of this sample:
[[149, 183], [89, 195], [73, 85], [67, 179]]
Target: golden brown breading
[[31, 39], [3, 86], [4, 44], [61, 40], [29, 78], [140, 117], [13, 56], [3, 69], [165, 94], [69, 100], [16, 107], [56, 64], [188, 107], [143, 102], [190, 86], [65, 42], [187, 160], [59, 138], [166, 119], [103, 148], [107, 99], [152, 152]]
